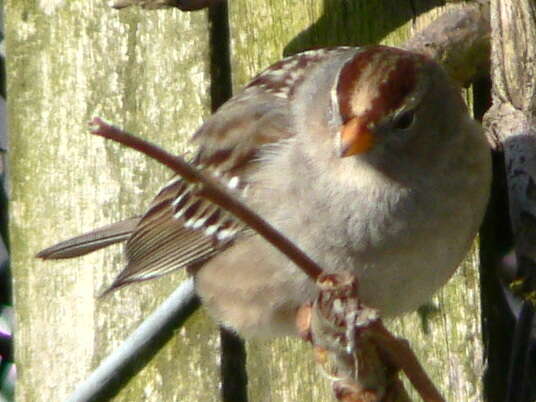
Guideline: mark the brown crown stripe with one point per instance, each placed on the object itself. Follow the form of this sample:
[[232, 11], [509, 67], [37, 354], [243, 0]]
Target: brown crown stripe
[[401, 68]]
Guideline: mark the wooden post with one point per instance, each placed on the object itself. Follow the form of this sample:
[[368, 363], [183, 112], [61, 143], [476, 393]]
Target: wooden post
[[511, 120], [146, 71]]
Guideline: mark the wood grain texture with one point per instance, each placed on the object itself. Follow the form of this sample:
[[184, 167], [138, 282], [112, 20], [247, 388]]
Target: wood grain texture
[[511, 121], [70, 61], [447, 335]]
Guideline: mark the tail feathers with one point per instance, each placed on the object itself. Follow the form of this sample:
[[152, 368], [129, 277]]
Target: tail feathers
[[92, 241]]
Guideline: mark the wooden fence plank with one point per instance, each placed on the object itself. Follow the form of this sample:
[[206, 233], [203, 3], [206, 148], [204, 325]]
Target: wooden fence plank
[[70, 61]]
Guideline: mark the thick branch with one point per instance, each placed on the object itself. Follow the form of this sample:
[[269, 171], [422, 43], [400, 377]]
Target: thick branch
[[459, 40], [514, 53], [511, 120], [512, 123]]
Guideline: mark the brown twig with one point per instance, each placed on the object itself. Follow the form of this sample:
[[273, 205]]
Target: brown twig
[[399, 352], [213, 191], [352, 345]]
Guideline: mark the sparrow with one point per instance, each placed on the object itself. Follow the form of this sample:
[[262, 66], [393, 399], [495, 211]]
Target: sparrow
[[365, 157]]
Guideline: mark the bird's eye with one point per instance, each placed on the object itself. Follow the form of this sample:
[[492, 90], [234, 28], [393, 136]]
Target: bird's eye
[[404, 120]]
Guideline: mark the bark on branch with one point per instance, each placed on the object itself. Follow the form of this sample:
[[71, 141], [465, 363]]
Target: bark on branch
[[511, 122], [459, 40], [512, 118]]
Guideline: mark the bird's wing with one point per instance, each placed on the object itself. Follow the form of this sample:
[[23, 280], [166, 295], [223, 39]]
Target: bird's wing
[[180, 229]]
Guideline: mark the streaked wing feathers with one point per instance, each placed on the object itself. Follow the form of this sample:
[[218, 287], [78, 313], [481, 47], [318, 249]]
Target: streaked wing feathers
[[180, 229]]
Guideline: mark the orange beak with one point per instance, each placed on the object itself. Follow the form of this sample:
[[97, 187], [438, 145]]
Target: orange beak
[[356, 138]]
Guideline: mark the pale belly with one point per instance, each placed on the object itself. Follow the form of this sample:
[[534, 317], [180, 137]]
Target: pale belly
[[402, 250], [258, 293]]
